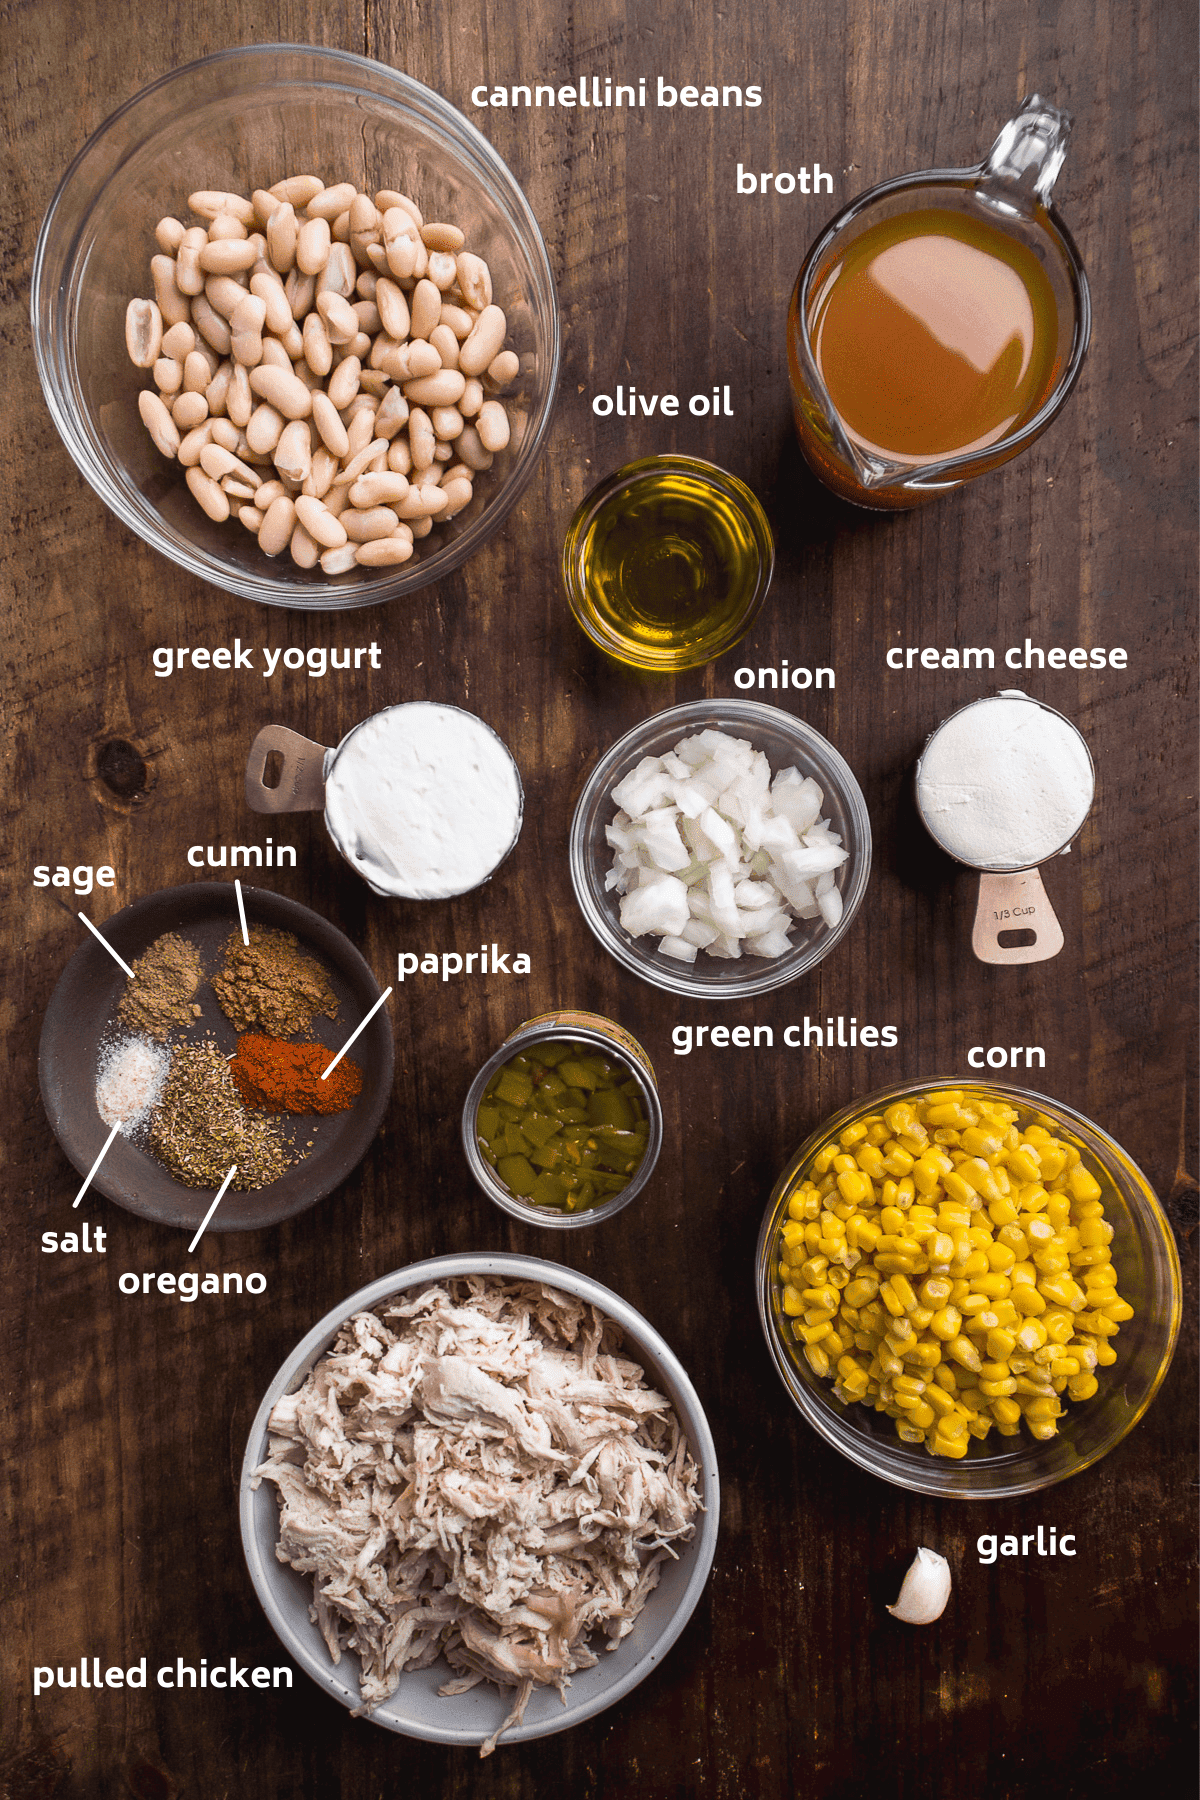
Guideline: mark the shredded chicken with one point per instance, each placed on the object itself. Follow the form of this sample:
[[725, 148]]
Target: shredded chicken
[[478, 1473]]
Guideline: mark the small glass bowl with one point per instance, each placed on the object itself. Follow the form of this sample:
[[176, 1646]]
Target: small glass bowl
[[1144, 1253], [699, 485], [561, 1027], [236, 121], [786, 740]]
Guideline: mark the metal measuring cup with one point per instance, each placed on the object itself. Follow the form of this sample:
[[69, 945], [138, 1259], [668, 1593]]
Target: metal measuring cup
[[304, 771], [1011, 896]]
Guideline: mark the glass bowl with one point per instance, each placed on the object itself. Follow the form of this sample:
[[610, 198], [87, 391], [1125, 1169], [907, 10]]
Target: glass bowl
[[416, 1709], [237, 121], [695, 507], [786, 740], [610, 1041], [1143, 1251]]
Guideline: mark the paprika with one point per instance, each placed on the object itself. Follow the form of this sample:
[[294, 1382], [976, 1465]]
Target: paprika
[[272, 1076]]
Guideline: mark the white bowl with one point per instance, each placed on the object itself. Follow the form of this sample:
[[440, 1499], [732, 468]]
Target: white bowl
[[416, 1708]]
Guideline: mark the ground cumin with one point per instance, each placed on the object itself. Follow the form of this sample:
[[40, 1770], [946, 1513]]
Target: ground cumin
[[275, 1077], [161, 995], [272, 983]]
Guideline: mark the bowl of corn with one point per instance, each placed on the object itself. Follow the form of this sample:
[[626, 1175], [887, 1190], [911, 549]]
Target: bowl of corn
[[969, 1290]]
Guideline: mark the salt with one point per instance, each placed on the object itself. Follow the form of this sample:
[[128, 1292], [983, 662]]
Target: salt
[[129, 1081]]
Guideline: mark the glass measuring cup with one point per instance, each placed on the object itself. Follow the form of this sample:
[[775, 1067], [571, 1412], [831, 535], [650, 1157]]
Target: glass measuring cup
[[1008, 194], [1012, 901]]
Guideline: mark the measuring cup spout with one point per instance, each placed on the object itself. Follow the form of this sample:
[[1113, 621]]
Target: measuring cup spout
[[1025, 159]]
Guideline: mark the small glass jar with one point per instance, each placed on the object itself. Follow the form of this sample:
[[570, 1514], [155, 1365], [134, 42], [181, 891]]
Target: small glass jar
[[597, 1033], [667, 563]]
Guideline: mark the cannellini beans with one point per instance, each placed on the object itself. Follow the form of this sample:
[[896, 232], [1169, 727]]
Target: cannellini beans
[[492, 426], [143, 333], [320, 523], [324, 364], [209, 493], [383, 552], [189, 410]]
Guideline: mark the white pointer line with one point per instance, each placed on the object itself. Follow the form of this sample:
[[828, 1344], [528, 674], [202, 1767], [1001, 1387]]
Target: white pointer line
[[103, 940], [212, 1209], [107, 1145], [237, 888], [355, 1033]]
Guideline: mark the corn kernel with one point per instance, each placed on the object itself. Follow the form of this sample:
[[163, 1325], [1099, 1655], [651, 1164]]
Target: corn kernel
[[1023, 1164], [1083, 1185], [1000, 1344], [997, 1389], [1028, 1300], [946, 1323], [1006, 1412]]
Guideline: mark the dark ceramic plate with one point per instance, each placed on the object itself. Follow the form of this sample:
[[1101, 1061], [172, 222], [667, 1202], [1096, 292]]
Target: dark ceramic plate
[[82, 1012]]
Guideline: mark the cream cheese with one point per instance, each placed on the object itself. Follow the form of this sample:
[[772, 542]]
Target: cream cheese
[[1005, 782], [424, 800]]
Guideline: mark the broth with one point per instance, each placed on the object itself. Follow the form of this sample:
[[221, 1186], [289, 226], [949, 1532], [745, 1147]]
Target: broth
[[936, 334]]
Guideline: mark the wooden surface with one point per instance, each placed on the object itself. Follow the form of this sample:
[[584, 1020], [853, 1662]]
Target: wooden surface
[[128, 1417]]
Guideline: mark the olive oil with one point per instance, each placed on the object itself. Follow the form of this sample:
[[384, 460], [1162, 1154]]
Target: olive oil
[[667, 563], [936, 334]]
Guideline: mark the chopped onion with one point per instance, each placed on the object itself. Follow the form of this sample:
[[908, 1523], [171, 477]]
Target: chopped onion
[[713, 854]]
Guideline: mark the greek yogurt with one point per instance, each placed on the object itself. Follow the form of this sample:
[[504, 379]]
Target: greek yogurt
[[424, 800]]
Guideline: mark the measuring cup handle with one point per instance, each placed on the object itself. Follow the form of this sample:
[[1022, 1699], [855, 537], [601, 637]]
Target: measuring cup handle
[[1033, 143], [301, 784], [1015, 902]]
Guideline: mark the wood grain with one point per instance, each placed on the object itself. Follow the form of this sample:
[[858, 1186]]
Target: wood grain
[[126, 1419]]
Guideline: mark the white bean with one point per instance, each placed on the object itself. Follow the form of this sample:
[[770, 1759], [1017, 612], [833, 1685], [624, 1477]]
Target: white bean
[[209, 493], [442, 237], [283, 391], [340, 561], [442, 389], [189, 410], [168, 235], [313, 245], [305, 550], [329, 425], [276, 311], [209, 203], [168, 375], [484, 343], [382, 553], [143, 333], [293, 452], [378, 490], [426, 308], [492, 426], [170, 299], [320, 523], [278, 526], [298, 190], [474, 280]]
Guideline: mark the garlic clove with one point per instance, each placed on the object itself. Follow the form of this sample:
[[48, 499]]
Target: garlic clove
[[924, 1591]]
